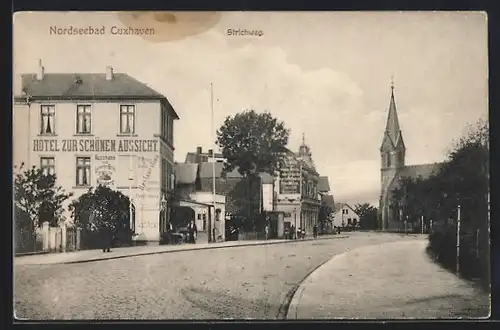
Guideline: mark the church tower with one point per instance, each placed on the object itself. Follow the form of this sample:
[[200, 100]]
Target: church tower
[[392, 154]]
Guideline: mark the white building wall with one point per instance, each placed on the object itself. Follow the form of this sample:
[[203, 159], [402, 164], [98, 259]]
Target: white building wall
[[65, 145], [348, 214]]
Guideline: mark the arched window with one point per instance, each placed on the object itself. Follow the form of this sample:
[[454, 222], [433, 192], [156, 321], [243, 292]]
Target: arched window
[[388, 159]]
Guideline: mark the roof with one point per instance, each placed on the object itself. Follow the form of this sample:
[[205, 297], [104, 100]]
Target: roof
[[88, 86], [323, 184], [339, 206], [392, 127], [191, 156], [414, 171], [185, 173], [206, 169], [328, 200], [266, 178]]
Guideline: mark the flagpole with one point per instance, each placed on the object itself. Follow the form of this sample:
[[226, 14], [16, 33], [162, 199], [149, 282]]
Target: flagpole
[[213, 162]]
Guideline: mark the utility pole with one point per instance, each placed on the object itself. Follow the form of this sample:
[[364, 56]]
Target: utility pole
[[458, 239], [212, 214], [422, 220], [130, 179]]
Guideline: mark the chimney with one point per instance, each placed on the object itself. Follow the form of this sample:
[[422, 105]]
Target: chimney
[[40, 71], [198, 154], [109, 73]]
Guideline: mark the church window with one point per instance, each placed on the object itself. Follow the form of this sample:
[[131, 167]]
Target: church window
[[388, 156]]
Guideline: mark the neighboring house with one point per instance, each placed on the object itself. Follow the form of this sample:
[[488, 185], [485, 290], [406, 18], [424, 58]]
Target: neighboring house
[[345, 215], [199, 156], [296, 187], [393, 168], [99, 129]]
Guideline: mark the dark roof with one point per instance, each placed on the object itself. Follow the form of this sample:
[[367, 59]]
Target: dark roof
[[191, 157], [323, 184], [206, 170], [266, 178], [414, 171], [185, 173], [88, 86], [328, 200]]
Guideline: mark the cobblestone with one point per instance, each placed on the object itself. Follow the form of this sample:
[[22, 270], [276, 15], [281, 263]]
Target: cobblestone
[[239, 282]]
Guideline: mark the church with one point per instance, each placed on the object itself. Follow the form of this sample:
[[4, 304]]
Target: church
[[393, 168]]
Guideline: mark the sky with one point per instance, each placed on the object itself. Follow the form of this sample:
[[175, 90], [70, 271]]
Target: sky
[[327, 75]]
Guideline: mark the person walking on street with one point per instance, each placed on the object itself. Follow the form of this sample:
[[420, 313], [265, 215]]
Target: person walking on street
[[292, 232], [315, 231]]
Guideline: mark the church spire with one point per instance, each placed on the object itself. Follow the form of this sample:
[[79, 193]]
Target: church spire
[[392, 127]]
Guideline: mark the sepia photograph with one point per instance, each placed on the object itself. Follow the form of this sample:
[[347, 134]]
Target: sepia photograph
[[250, 165]]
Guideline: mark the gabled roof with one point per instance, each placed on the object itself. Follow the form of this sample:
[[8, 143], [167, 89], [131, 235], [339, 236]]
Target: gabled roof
[[88, 86], [339, 206], [185, 173], [323, 184]]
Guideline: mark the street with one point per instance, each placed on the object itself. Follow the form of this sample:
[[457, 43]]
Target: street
[[236, 282]]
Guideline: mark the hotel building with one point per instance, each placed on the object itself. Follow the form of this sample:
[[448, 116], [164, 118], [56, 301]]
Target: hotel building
[[99, 129]]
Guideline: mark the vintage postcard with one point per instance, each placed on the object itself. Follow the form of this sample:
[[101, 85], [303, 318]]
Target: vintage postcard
[[250, 165]]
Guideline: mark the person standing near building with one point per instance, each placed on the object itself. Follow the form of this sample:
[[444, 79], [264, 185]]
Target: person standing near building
[[315, 231], [105, 238]]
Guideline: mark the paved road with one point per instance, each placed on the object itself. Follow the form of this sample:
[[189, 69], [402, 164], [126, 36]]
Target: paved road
[[237, 282], [387, 281]]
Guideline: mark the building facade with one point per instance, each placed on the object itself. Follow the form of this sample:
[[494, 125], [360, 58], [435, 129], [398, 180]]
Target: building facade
[[393, 168], [345, 216], [296, 187], [99, 129]]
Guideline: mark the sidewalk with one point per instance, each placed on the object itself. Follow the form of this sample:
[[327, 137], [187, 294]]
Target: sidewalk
[[124, 252], [387, 281]]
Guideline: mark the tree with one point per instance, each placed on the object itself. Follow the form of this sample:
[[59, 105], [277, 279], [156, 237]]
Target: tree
[[252, 142], [37, 196], [462, 180], [102, 206], [367, 215], [325, 210]]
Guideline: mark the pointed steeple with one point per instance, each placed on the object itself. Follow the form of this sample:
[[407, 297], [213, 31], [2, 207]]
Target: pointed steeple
[[392, 128]]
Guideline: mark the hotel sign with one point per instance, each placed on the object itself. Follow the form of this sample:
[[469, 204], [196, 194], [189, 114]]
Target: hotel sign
[[95, 145]]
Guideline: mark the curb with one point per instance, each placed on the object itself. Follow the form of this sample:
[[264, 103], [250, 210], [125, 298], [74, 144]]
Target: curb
[[26, 254], [287, 302], [294, 302], [189, 249]]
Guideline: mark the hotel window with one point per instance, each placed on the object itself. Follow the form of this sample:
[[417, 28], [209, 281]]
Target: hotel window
[[47, 116], [127, 119], [47, 164], [83, 171], [83, 119]]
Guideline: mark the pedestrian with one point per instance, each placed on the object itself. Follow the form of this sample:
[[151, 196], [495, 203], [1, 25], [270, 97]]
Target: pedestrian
[[292, 232], [105, 238], [303, 233], [192, 232], [267, 231], [315, 231]]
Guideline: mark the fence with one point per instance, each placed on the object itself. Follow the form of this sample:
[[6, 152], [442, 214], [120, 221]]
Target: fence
[[27, 241]]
